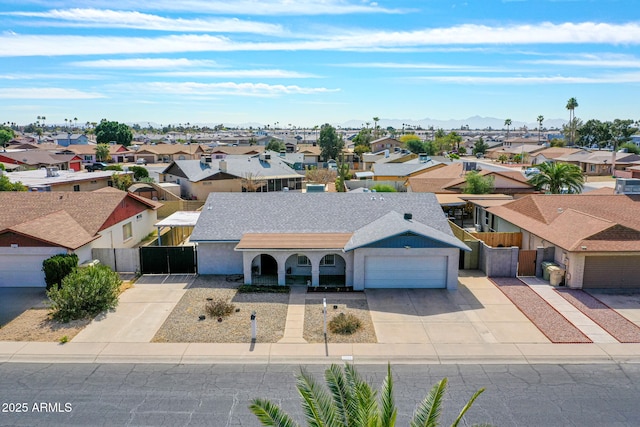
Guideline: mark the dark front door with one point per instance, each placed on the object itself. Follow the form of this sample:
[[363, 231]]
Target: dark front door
[[527, 262]]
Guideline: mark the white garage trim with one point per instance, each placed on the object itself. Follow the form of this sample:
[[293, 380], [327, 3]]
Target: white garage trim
[[405, 272]]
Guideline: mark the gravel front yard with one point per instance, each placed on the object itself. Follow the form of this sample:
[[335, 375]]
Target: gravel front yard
[[183, 324], [36, 325], [314, 321]]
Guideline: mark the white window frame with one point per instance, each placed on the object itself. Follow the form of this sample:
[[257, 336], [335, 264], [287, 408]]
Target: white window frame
[[127, 229], [305, 260], [324, 261]]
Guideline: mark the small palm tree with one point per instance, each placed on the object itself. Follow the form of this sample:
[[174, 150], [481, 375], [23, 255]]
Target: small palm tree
[[351, 402], [572, 104], [556, 178], [507, 123], [540, 120]]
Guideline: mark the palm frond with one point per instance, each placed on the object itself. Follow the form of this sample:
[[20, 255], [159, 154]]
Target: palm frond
[[428, 412], [467, 406], [364, 406], [270, 414], [388, 408], [316, 403], [341, 394]]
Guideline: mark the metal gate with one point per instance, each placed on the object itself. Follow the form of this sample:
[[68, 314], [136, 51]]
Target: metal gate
[[527, 262], [168, 260]]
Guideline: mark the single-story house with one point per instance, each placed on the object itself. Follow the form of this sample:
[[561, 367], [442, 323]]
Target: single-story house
[[595, 237], [118, 152], [222, 151], [451, 179], [35, 226], [52, 179], [403, 171], [67, 139], [198, 178], [165, 153], [363, 240], [551, 154], [36, 159], [385, 143]]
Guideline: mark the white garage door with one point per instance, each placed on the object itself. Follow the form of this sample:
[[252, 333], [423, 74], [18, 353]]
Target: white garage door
[[405, 272], [22, 270]]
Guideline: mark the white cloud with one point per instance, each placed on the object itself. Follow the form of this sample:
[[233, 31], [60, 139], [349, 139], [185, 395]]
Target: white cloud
[[524, 80], [568, 33], [272, 74], [592, 61], [235, 7], [230, 88], [106, 18], [53, 76], [146, 63], [46, 93], [422, 66]]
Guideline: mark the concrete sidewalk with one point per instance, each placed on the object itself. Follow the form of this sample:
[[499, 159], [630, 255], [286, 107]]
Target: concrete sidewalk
[[475, 324]]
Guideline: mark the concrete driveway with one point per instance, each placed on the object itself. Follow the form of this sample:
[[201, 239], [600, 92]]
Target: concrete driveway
[[476, 313], [14, 301]]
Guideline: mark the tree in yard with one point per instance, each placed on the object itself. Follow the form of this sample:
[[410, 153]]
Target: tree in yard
[[6, 134], [139, 172], [383, 188], [572, 104], [571, 129], [102, 152], [343, 175], [330, 143], [480, 147], [503, 158], [122, 181], [349, 401], [376, 128], [507, 123], [557, 142], [630, 147], [252, 182], [7, 185], [540, 120], [321, 176], [119, 133], [276, 145], [557, 178], [475, 183], [413, 143]]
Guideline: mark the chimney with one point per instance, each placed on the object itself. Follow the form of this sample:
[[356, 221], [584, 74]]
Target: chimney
[[408, 216], [223, 165]]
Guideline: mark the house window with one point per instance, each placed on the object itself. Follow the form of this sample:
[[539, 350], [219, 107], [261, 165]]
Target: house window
[[110, 183], [139, 217], [76, 187], [592, 168], [127, 231], [303, 260], [328, 260]]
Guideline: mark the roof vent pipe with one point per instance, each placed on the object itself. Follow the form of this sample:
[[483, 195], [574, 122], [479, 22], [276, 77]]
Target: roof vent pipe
[[408, 216]]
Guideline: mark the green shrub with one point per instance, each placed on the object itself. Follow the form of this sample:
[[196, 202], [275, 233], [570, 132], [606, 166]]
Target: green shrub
[[383, 188], [84, 293], [263, 289], [113, 168], [219, 308], [344, 324], [58, 267], [139, 172]]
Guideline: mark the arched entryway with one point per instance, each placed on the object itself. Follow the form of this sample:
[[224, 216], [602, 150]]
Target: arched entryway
[[264, 270], [298, 270], [332, 270]]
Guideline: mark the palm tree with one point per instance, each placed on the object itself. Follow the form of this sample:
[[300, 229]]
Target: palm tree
[[75, 121], [350, 401], [540, 120], [507, 123], [557, 178], [572, 104], [375, 127]]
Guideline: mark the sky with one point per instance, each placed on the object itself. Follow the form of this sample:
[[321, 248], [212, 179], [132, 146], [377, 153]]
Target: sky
[[307, 62]]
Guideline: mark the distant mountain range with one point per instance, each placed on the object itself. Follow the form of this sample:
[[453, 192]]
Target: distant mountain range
[[475, 122]]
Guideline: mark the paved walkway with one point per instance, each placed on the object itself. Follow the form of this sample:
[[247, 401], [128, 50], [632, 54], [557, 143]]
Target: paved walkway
[[475, 324]]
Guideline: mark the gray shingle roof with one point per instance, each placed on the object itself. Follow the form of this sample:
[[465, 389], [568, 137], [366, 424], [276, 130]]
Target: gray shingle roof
[[227, 216], [401, 169], [238, 166], [394, 224]]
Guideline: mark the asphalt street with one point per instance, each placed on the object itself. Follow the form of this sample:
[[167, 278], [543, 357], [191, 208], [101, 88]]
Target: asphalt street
[[218, 395]]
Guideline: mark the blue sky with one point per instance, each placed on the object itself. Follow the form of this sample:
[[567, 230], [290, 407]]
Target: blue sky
[[307, 62]]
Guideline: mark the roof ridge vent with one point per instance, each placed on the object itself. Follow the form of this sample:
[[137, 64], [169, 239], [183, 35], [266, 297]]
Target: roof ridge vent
[[408, 216]]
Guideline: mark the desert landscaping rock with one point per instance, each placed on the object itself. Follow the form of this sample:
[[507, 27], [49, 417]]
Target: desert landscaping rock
[[183, 324], [314, 321], [36, 325]]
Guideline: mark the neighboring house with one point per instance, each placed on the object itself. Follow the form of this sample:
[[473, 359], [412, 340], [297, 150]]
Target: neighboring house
[[67, 139], [599, 162], [364, 240], [386, 156], [594, 237], [117, 152], [385, 143], [311, 155], [36, 159], [52, 179], [198, 178], [551, 154], [222, 151], [514, 149], [403, 171], [166, 153], [451, 179], [36, 226]]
